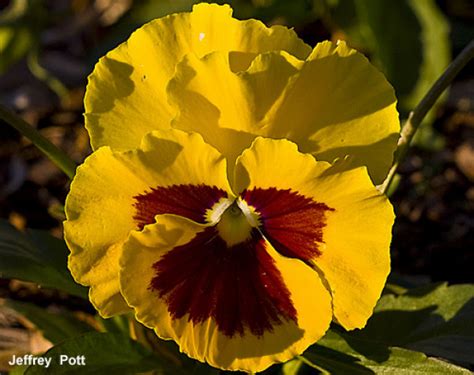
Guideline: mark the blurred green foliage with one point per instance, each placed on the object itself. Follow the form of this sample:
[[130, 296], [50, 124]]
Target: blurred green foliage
[[55, 326], [20, 26], [407, 39], [38, 257]]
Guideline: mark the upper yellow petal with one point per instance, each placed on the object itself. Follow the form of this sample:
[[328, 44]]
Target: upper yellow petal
[[126, 98], [333, 104], [228, 109], [341, 105]]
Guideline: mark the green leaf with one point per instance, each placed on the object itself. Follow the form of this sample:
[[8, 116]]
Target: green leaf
[[437, 320], [334, 361], [55, 326], [407, 39], [102, 353], [38, 257], [337, 355], [434, 320], [18, 370]]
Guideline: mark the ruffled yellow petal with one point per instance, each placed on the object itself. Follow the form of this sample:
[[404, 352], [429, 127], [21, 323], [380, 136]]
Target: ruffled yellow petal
[[346, 107], [204, 341], [335, 103], [229, 108], [356, 262], [101, 207], [175, 157], [126, 98], [212, 28], [354, 254], [99, 210]]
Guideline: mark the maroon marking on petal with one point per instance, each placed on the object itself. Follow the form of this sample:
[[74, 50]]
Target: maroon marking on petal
[[291, 222], [239, 287], [190, 201]]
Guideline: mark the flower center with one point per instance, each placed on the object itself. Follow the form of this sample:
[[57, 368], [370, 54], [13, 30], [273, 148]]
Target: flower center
[[226, 271], [236, 222]]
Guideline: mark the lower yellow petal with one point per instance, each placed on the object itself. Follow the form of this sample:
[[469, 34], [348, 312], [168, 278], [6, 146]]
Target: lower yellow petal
[[205, 341]]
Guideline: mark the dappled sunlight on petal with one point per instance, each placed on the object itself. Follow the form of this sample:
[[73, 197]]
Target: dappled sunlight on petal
[[335, 103], [126, 95]]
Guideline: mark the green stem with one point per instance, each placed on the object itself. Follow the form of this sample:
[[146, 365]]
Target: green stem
[[418, 114], [311, 364], [43, 75], [63, 161]]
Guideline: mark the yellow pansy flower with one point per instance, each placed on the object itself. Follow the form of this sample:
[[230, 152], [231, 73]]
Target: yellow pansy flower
[[241, 273], [232, 81], [209, 207]]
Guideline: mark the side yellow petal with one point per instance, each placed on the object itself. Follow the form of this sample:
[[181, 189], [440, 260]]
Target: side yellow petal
[[356, 261], [100, 206], [99, 211], [333, 104], [126, 98], [355, 252], [204, 341], [176, 157]]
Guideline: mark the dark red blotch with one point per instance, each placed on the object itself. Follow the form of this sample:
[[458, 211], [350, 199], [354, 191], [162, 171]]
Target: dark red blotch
[[239, 287], [190, 201], [291, 222]]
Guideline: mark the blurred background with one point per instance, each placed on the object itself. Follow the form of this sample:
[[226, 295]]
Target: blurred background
[[48, 48]]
